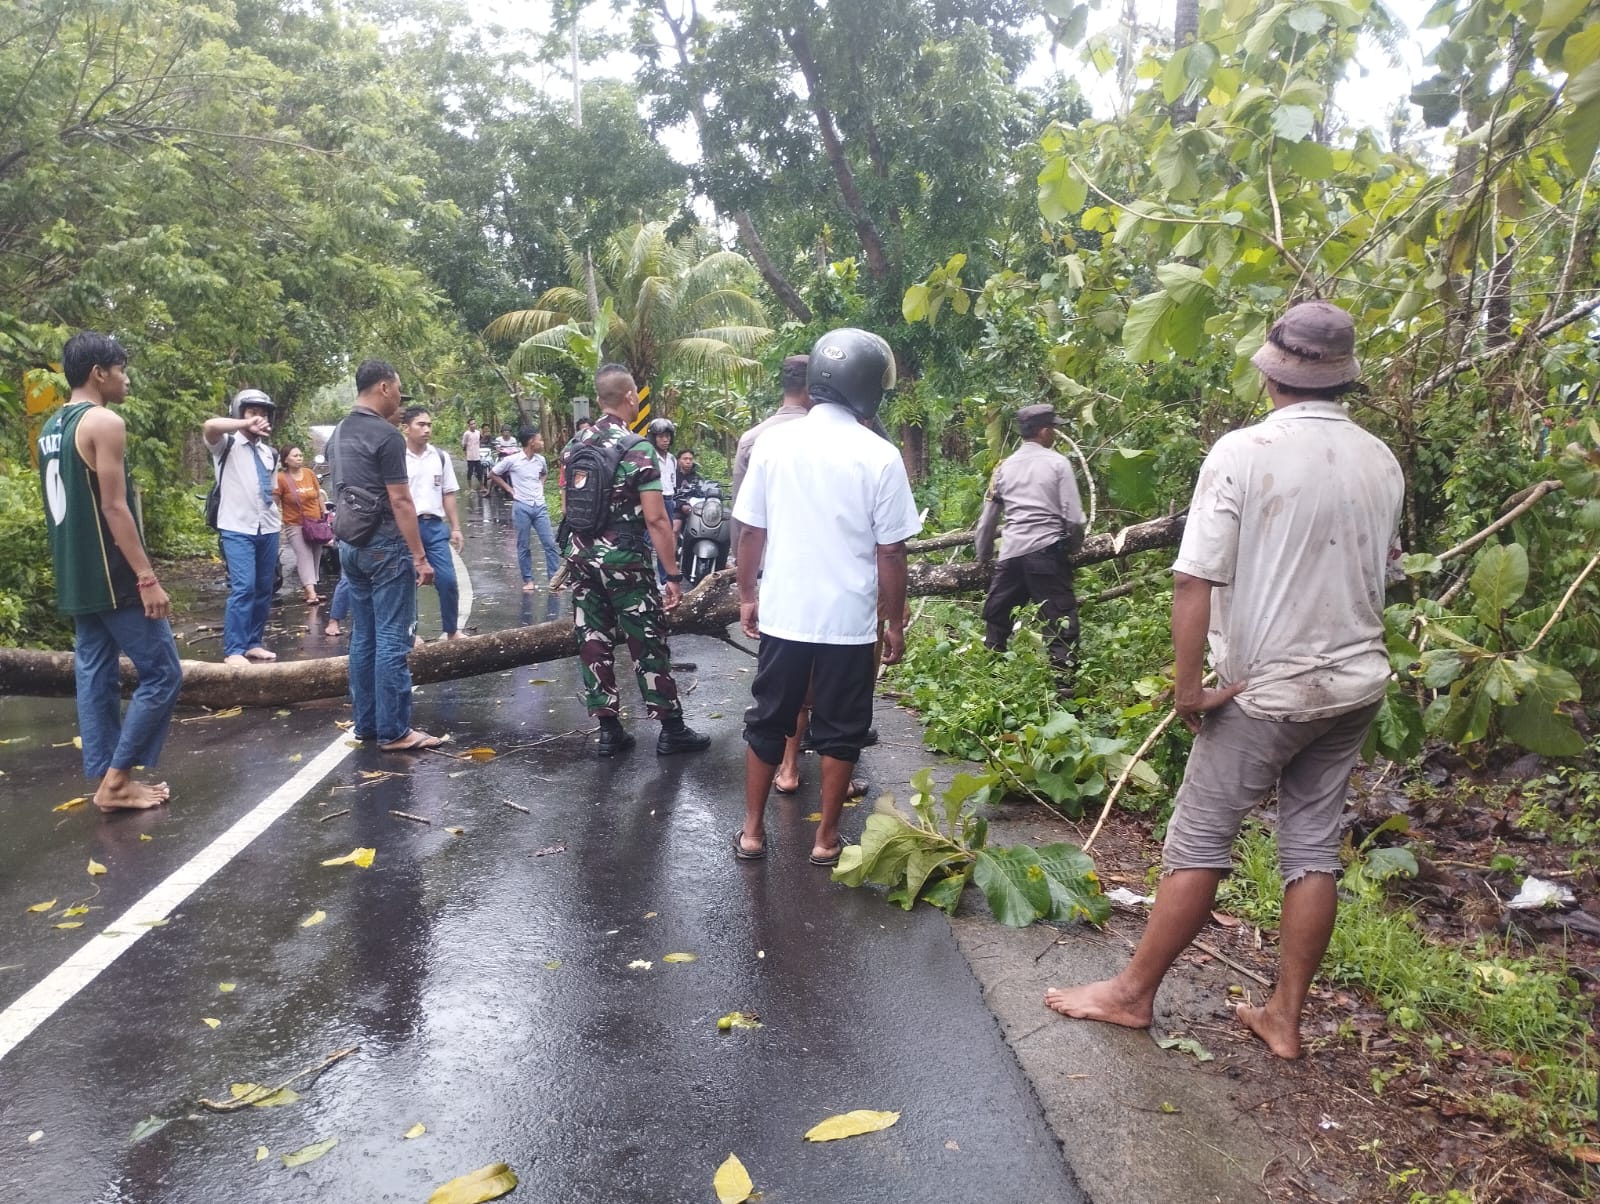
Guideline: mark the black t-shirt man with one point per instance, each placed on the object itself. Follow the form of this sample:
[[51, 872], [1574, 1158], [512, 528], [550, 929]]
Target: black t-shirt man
[[369, 453]]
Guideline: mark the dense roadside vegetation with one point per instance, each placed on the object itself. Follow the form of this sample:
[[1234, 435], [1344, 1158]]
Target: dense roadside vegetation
[[262, 193]]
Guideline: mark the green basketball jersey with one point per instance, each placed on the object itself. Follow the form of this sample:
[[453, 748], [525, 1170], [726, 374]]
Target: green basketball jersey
[[92, 575]]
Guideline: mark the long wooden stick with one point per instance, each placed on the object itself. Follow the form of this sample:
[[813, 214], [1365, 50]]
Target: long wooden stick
[[251, 1097], [1565, 598], [1127, 771]]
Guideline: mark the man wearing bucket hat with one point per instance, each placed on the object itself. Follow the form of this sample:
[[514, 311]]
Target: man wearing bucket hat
[[1288, 548], [1035, 489]]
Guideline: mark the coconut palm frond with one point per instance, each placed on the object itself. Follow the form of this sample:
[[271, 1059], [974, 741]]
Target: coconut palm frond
[[547, 346], [521, 323], [725, 304], [739, 338], [573, 302], [717, 269], [705, 355], [656, 304]]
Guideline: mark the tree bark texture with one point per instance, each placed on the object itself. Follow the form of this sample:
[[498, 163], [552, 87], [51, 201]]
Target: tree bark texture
[[776, 281], [799, 43], [708, 610]]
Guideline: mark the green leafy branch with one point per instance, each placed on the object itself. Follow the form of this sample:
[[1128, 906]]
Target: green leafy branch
[[933, 854]]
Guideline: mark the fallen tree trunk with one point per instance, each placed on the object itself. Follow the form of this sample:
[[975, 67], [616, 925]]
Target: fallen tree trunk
[[708, 610]]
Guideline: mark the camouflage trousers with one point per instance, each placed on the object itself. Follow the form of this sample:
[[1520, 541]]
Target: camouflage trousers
[[612, 601]]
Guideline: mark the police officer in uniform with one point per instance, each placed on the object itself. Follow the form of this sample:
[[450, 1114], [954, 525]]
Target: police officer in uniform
[[614, 582], [1035, 489]]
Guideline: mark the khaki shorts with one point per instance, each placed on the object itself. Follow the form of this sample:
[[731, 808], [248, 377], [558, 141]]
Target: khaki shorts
[[1235, 763]]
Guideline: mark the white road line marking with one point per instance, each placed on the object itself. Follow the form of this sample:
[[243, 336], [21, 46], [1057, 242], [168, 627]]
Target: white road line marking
[[464, 582], [79, 970]]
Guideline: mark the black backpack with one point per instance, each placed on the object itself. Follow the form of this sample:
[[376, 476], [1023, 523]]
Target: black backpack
[[214, 498], [591, 472]]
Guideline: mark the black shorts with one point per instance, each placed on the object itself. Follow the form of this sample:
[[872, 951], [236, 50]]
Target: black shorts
[[476, 471], [840, 678]]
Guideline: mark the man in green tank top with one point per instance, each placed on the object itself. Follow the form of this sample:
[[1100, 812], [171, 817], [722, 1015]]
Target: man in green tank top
[[104, 580]]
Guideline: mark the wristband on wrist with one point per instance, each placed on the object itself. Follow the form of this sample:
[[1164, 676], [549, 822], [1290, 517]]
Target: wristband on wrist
[[147, 582], [674, 578]]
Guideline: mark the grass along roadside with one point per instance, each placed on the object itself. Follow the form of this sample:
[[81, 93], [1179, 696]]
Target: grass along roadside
[[1485, 1031]]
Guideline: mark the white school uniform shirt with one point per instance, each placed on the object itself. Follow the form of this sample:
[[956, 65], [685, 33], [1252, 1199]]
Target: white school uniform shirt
[[431, 476], [1297, 518], [526, 476], [828, 492], [242, 508]]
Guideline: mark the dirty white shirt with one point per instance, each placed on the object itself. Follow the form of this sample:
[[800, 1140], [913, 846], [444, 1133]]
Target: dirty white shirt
[[1297, 518]]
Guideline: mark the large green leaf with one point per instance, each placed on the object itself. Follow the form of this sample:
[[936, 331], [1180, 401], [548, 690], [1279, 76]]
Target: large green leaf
[[1015, 884], [1132, 479], [1500, 579], [1074, 886], [1398, 726], [1536, 723], [923, 863], [945, 894], [1062, 191], [1141, 335], [1293, 123]]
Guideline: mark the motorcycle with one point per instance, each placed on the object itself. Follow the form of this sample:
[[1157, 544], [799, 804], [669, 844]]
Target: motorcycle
[[707, 535]]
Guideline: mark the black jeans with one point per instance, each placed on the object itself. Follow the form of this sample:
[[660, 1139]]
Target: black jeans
[[1042, 576]]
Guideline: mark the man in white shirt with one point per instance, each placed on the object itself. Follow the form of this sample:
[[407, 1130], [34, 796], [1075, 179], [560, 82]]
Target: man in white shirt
[[248, 520], [472, 450], [825, 511], [522, 476], [1288, 548], [432, 478]]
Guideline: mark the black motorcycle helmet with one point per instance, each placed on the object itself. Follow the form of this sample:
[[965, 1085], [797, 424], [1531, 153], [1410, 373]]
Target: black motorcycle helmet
[[852, 368]]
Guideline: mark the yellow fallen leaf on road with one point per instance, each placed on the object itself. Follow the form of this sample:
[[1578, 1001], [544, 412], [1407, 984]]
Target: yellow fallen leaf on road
[[480, 754], [263, 1097], [649, 915], [145, 836], [211, 1022], [851, 1124], [45, 906], [71, 803], [77, 910], [71, 924], [735, 1020], [35, 1136], [732, 1182], [679, 957], [296, 757], [456, 831], [279, 714], [344, 724], [227, 988], [308, 1153], [486, 1183], [315, 917], [95, 867], [261, 1153], [361, 857], [553, 964], [814, 818], [416, 1130]]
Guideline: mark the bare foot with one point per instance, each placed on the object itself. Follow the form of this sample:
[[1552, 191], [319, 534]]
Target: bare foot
[[238, 660], [332, 629], [1102, 1001], [1279, 1035], [452, 635], [258, 653], [785, 785], [416, 641], [131, 796], [528, 587]]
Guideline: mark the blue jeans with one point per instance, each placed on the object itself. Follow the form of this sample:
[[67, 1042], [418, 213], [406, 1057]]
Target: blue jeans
[[436, 543], [110, 739], [339, 608], [383, 609], [251, 561], [529, 519]]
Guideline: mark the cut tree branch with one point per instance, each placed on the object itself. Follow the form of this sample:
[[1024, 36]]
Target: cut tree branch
[[707, 610]]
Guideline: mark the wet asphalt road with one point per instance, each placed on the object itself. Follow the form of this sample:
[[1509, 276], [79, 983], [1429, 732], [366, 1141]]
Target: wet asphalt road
[[485, 976]]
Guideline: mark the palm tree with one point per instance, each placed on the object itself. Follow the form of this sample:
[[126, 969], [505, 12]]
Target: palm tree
[[658, 305]]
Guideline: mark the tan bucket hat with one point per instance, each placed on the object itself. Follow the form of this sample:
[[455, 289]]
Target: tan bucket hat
[[1313, 346]]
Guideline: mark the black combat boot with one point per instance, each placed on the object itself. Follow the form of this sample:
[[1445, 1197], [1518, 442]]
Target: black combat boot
[[675, 737], [614, 741]]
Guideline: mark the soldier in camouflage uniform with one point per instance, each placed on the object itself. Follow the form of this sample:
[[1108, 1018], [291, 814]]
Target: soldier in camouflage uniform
[[614, 582]]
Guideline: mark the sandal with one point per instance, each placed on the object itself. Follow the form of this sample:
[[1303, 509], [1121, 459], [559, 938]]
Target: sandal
[[795, 789], [744, 854], [413, 741], [828, 858]]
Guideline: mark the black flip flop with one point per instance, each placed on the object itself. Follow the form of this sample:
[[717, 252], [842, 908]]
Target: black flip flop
[[831, 859], [744, 854]]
